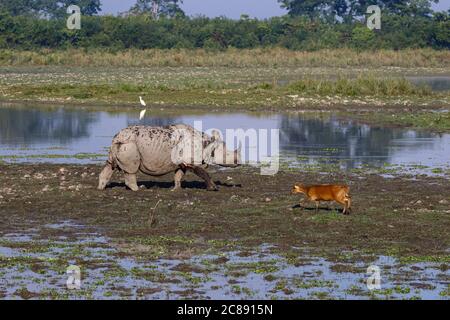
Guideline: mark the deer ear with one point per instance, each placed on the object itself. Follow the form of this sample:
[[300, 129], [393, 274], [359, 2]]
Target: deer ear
[[215, 136]]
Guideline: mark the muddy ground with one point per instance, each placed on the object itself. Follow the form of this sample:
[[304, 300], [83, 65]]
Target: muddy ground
[[404, 217]]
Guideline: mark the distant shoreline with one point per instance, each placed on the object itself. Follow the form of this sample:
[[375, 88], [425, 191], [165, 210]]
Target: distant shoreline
[[260, 80]]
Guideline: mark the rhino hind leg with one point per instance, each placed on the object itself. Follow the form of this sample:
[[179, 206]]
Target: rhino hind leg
[[127, 157], [129, 160], [179, 174], [131, 181]]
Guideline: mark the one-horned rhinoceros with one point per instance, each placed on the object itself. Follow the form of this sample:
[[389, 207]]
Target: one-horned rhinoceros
[[157, 151]]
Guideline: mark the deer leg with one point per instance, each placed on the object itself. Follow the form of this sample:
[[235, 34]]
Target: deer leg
[[317, 206], [303, 203], [348, 204], [344, 203]]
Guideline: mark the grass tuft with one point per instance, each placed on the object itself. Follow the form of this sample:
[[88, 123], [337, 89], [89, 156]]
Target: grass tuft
[[359, 87]]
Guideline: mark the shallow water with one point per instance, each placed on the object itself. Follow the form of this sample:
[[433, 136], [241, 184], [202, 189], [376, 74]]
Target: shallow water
[[436, 83], [62, 135], [258, 274]]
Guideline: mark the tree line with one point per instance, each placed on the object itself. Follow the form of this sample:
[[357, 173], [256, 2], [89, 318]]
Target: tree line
[[309, 25]]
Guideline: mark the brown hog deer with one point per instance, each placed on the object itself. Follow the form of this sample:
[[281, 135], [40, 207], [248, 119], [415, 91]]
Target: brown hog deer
[[338, 193]]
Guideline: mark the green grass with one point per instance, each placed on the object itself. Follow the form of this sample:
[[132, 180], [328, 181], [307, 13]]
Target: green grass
[[327, 217], [369, 86], [262, 57], [431, 120], [418, 259], [226, 93]]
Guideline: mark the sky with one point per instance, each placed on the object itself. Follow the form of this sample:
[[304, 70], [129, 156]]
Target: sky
[[230, 8]]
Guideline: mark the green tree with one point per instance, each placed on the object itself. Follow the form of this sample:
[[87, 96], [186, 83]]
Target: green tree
[[311, 8], [362, 37], [170, 8], [48, 8], [19, 7], [31, 31], [349, 10], [441, 29], [58, 9]]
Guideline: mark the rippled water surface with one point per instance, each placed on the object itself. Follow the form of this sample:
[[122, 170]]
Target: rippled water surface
[[35, 269]]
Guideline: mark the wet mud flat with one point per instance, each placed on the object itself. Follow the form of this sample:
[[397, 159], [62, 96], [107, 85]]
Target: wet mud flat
[[248, 240]]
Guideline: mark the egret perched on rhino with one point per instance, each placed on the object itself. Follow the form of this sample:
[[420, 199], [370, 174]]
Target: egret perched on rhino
[[157, 151]]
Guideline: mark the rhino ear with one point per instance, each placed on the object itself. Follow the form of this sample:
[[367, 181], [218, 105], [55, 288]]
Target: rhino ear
[[215, 135]]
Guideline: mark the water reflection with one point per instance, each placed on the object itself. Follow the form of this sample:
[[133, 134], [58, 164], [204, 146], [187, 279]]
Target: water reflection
[[24, 126], [27, 131], [436, 83], [333, 140]]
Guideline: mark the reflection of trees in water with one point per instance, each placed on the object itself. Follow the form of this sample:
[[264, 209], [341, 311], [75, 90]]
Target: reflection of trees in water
[[359, 143], [299, 135], [26, 126]]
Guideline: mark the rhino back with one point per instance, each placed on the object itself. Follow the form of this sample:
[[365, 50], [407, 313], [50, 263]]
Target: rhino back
[[155, 145]]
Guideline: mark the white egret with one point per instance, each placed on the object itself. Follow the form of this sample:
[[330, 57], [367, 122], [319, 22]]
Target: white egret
[[142, 114], [142, 102]]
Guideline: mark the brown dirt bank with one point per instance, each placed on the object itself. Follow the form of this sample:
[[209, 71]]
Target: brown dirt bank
[[399, 216]]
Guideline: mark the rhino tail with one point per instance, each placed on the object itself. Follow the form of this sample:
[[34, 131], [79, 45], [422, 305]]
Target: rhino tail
[[112, 156]]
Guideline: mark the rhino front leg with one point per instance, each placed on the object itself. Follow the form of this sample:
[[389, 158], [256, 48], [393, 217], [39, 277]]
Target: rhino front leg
[[201, 172], [131, 181], [179, 174]]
